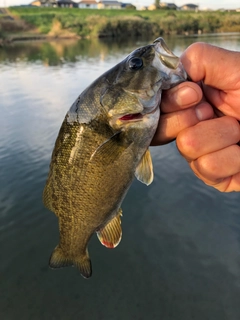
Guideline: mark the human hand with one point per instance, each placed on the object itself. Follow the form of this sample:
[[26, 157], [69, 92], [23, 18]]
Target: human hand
[[219, 72], [181, 107], [210, 146]]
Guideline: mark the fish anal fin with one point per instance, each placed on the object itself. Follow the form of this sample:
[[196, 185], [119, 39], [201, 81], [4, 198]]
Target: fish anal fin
[[111, 234], [58, 259], [144, 170]]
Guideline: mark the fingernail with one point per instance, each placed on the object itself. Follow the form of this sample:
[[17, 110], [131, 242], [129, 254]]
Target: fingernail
[[186, 96], [204, 111]]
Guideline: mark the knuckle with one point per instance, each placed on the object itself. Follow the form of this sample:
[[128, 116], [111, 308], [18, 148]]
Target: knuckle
[[193, 53], [233, 128], [186, 143], [182, 142], [207, 167], [196, 47]]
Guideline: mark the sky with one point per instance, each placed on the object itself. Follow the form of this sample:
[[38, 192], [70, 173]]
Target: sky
[[213, 4]]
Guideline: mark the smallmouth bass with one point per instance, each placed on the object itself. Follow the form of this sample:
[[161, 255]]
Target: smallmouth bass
[[102, 144]]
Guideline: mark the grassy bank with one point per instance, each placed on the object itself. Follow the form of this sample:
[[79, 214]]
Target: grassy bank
[[68, 22]]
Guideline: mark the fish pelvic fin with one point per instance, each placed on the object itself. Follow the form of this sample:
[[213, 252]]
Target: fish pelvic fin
[[144, 170], [59, 259], [111, 235]]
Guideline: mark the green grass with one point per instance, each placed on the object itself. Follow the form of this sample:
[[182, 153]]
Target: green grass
[[95, 23]]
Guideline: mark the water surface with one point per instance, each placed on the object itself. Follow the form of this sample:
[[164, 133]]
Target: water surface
[[179, 258]]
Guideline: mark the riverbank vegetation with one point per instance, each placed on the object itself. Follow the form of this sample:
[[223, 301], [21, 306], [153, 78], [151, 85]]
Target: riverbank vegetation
[[70, 22]]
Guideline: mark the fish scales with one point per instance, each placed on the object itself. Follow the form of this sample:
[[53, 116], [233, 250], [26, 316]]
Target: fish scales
[[101, 146]]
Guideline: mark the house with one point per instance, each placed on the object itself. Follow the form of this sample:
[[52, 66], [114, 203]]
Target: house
[[109, 4], [166, 5], [127, 6], [66, 4], [88, 4], [152, 7], [54, 3], [36, 3], [142, 8], [44, 3], [190, 7]]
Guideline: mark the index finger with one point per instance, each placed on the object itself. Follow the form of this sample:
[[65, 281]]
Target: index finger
[[184, 95]]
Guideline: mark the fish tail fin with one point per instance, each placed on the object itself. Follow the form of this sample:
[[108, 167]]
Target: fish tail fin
[[58, 259]]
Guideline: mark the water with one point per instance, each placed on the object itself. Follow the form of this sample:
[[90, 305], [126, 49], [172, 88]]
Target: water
[[179, 258]]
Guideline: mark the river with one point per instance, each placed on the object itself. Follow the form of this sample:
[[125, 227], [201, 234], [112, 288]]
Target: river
[[179, 258]]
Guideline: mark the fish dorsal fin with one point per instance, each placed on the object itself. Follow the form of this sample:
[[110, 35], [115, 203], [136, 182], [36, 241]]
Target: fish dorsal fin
[[111, 234], [110, 150], [144, 170], [59, 259]]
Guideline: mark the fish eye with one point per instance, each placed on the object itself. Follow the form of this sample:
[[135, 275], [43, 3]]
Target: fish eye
[[135, 63]]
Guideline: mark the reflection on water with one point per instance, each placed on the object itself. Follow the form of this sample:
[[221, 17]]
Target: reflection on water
[[55, 53], [179, 258]]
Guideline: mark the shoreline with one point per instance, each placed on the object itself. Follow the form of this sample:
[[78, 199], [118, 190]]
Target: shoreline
[[38, 37], [41, 37], [46, 23], [35, 36]]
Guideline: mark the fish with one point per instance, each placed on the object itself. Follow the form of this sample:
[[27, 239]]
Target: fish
[[102, 145]]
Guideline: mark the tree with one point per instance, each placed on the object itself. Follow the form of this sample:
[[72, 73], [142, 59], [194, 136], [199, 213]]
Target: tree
[[157, 4]]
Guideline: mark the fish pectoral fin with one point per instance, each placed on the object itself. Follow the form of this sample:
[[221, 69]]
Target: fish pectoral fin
[[58, 259], [110, 150], [144, 170], [111, 234]]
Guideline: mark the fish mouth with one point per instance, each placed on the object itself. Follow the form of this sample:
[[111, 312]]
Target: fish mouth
[[166, 56], [136, 116], [170, 64], [131, 117]]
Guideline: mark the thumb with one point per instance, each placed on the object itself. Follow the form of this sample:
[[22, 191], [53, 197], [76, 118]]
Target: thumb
[[215, 66]]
